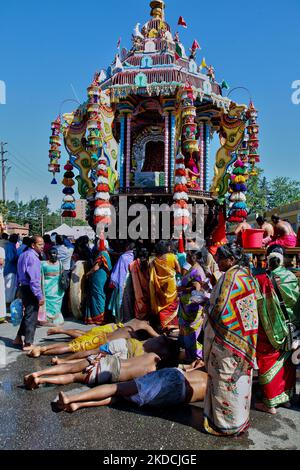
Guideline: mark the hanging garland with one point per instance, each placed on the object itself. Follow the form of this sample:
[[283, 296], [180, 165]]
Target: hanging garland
[[238, 209], [68, 206], [253, 133], [181, 211], [54, 152], [102, 213]]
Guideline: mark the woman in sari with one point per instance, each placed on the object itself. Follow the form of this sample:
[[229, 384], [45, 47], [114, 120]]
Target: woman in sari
[[277, 374], [51, 277], [193, 296], [230, 345], [140, 275], [96, 293], [163, 288], [120, 303]]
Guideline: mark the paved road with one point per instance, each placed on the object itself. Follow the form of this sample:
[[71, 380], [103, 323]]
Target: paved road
[[28, 422]]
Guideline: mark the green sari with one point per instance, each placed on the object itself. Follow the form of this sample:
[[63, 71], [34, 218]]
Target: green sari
[[271, 316], [51, 275]]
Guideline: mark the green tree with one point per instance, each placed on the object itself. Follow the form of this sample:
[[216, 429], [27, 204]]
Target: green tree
[[3, 210], [283, 191], [258, 193]]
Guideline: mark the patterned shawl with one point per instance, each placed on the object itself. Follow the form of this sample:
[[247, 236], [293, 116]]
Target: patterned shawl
[[271, 316], [234, 314]]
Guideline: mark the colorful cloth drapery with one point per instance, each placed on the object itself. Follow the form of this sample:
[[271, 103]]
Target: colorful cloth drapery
[[93, 338], [234, 315], [96, 295], [229, 353], [51, 275], [163, 289], [277, 374], [140, 281], [229, 389], [119, 279], [288, 241], [191, 314]]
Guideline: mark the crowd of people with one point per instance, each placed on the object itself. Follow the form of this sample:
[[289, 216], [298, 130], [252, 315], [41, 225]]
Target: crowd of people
[[167, 326]]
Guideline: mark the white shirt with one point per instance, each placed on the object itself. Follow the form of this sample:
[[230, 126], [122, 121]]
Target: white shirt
[[2, 256]]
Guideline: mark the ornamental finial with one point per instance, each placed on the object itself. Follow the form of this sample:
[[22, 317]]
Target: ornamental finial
[[158, 9]]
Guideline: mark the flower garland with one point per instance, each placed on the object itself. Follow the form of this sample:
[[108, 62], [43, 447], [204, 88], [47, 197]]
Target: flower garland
[[181, 212], [102, 213]]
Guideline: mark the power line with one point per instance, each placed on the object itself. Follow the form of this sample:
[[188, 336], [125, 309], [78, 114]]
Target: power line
[[3, 167], [35, 170], [24, 168], [21, 158]]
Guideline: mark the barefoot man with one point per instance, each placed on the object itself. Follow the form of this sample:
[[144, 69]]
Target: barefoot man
[[284, 233], [114, 362], [268, 229], [90, 340], [29, 276], [166, 387]]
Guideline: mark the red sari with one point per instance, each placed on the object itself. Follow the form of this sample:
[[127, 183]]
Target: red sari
[[277, 374]]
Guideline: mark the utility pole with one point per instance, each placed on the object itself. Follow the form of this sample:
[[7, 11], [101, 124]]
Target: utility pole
[[3, 167]]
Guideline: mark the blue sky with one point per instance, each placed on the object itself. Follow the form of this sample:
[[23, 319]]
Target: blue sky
[[47, 46]]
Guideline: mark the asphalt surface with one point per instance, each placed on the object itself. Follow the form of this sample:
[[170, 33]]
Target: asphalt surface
[[27, 421]]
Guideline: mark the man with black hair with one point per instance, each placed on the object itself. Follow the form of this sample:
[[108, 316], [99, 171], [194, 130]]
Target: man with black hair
[[29, 277], [268, 229], [284, 233]]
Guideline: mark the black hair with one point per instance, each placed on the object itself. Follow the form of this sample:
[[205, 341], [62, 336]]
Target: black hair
[[232, 250], [174, 246], [5, 236], [26, 241], [162, 248], [47, 239], [260, 219], [14, 238], [143, 253], [197, 254], [274, 263], [276, 249], [53, 249], [171, 359], [275, 218], [130, 246], [59, 240]]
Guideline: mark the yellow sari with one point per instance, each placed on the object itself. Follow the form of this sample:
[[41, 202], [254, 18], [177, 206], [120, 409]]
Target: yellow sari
[[163, 289]]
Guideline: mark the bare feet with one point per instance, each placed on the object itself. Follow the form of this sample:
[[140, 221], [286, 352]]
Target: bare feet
[[28, 347], [53, 331], [70, 408], [31, 381], [34, 351], [265, 409], [54, 361], [62, 401], [18, 341]]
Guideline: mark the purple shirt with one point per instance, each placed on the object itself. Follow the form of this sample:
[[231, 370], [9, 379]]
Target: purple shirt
[[29, 272]]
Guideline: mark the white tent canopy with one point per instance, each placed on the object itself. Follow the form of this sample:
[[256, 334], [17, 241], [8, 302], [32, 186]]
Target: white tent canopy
[[74, 232]]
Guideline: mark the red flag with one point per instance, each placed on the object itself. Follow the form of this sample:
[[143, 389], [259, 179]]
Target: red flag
[[196, 45], [182, 22]]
